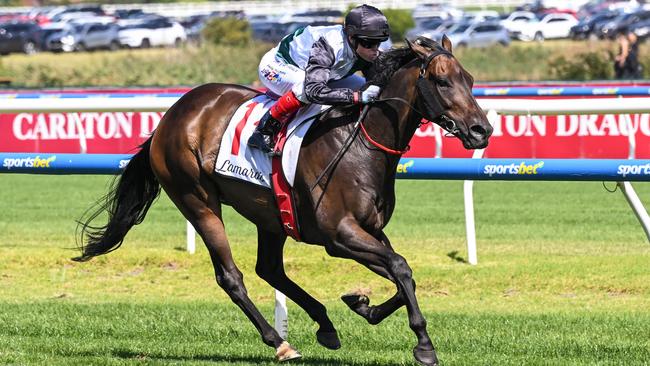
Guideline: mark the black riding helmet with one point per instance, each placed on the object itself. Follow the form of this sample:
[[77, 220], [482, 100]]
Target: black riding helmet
[[368, 23]]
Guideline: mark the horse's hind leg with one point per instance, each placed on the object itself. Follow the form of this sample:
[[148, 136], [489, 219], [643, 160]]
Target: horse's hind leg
[[270, 267], [198, 201], [359, 245]]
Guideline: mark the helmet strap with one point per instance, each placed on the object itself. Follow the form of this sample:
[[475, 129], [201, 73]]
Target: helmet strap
[[354, 43]]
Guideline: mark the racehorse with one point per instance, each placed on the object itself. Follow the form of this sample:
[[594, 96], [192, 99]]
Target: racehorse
[[344, 210]]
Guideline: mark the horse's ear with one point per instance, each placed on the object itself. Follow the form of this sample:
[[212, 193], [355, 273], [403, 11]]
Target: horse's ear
[[446, 43], [417, 47]]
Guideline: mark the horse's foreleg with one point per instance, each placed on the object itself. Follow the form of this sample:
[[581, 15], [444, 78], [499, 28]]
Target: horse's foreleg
[[360, 303], [270, 267], [367, 250]]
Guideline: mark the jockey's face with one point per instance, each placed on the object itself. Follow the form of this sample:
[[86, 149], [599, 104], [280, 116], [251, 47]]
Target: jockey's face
[[366, 50]]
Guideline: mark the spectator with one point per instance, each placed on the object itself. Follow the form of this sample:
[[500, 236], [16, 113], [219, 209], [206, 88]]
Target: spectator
[[626, 63]]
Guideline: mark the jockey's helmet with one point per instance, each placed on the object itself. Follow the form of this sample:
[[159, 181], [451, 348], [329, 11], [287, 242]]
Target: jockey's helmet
[[368, 23]]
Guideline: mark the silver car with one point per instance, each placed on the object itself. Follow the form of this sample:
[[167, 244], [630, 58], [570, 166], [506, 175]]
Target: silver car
[[86, 36], [481, 34], [432, 29]]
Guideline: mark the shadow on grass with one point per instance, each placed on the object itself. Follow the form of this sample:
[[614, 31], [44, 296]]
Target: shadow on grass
[[454, 256], [253, 360]]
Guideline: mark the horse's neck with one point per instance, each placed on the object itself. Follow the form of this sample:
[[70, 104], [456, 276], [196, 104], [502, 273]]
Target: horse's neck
[[394, 124]]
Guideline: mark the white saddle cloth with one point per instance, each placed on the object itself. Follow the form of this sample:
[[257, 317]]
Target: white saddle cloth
[[239, 161]]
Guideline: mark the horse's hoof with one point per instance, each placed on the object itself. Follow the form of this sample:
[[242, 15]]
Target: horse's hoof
[[286, 353], [353, 301], [328, 339], [426, 358]]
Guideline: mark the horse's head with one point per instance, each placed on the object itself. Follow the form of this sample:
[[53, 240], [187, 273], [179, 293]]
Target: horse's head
[[445, 91]]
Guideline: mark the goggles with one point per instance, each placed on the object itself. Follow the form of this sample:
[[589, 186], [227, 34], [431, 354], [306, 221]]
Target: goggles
[[368, 43]]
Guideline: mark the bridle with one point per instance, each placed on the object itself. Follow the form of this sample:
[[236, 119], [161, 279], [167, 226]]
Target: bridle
[[431, 97], [434, 109], [434, 112]]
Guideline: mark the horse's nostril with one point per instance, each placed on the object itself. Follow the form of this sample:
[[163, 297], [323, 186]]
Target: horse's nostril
[[478, 130]]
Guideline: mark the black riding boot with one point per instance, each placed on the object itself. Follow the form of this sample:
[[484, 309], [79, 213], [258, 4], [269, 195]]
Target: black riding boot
[[262, 137]]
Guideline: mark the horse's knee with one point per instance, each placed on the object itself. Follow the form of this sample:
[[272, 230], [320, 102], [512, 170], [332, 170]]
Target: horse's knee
[[269, 273], [262, 270]]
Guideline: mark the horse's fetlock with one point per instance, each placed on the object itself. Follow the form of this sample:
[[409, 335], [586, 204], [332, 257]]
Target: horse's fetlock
[[271, 338]]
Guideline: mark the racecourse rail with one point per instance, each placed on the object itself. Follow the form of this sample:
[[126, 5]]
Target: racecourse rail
[[408, 168], [621, 171]]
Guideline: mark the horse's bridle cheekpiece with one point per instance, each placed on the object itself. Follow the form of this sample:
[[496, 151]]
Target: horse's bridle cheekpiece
[[435, 112]]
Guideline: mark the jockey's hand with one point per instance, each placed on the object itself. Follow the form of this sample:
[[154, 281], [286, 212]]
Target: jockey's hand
[[370, 94]]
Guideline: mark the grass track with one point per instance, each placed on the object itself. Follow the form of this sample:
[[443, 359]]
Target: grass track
[[562, 279]]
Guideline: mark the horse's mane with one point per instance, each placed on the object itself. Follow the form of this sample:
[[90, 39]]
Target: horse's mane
[[392, 60]]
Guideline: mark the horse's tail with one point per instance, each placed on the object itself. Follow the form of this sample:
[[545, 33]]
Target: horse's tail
[[127, 202]]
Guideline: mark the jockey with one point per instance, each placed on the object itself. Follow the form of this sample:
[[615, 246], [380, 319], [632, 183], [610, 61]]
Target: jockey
[[317, 65]]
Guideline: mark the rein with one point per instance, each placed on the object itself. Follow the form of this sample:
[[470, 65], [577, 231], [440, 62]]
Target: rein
[[425, 90], [346, 146]]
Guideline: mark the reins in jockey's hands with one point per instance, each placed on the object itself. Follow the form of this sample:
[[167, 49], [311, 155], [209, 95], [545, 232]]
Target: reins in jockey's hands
[[367, 96]]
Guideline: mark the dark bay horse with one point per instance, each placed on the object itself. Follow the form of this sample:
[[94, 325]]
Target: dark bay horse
[[345, 211]]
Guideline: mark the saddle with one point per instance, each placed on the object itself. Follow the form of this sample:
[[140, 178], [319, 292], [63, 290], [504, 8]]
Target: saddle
[[236, 160]]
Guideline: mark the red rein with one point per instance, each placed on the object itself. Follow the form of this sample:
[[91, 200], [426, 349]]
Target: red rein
[[382, 147]]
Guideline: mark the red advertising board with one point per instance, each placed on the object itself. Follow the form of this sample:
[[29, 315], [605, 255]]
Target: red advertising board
[[571, 136], [106, 133]]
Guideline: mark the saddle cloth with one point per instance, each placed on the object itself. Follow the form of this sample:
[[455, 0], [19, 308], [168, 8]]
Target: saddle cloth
[[238, 161]]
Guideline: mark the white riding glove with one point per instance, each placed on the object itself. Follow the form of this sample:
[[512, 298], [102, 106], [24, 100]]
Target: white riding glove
[[370, 94]]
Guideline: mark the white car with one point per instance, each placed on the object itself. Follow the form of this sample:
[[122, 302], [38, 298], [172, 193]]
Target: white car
[[557, 25], [152, 33], [518, 20]]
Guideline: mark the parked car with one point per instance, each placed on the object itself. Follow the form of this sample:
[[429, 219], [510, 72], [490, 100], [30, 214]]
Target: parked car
[[20, 37], [68, 11], [588, 26], [426, 26], [516, 20], [623, 21], [435, 34], [641, 29], [480, 16], [51, 29], [152, 33], [85, 36], [479, 34], [273, 32], [556, 25]]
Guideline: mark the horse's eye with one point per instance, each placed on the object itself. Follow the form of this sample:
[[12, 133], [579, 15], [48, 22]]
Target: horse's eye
[[443, 83]]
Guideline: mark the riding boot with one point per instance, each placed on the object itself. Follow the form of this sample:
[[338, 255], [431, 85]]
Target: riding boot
[[272, 122], [262, 137]]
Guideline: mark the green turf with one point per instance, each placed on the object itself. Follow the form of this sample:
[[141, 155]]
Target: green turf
[[562, 279]]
